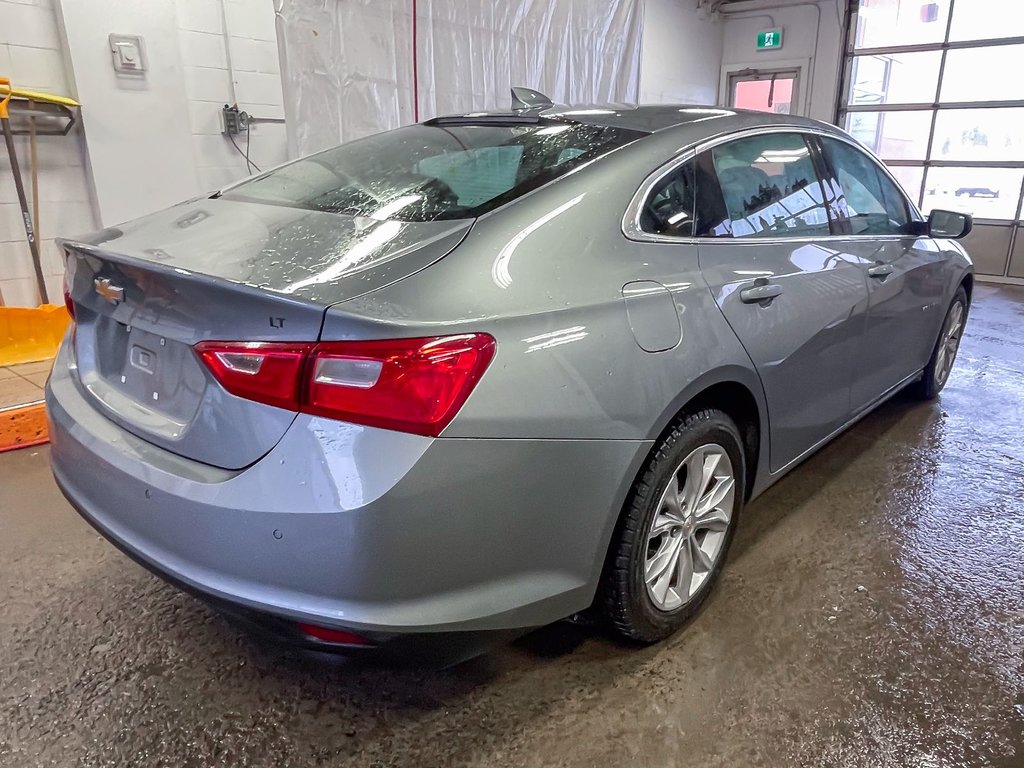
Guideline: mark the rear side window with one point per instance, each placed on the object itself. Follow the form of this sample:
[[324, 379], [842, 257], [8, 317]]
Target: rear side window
[[770, 187], [686, 202], [867, 202], [434, 171]]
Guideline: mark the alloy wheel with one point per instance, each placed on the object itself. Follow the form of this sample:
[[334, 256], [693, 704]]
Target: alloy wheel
[[949, 343], [687, 534]]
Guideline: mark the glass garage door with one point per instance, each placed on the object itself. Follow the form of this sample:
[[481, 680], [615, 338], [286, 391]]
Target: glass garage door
[[937, 90]]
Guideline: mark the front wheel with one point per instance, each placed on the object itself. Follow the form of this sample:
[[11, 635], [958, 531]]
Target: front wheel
[[671, 543], [936, 373]]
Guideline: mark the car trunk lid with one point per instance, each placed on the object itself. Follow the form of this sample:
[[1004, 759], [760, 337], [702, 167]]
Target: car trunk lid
[[147, 292]]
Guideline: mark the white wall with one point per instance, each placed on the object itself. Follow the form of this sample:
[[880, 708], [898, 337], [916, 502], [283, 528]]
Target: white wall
[[30, 54], [809, 28], [251, 47], [681, 53], [147, 143], [175, 108], [136, 127]]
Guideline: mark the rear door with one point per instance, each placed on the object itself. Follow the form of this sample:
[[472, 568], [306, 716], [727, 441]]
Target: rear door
[[796, 303], [907, 275]]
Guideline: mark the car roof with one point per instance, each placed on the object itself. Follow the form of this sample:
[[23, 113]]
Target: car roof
[[650, 118]]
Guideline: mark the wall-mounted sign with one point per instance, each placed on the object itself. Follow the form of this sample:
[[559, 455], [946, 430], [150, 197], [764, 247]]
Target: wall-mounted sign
[[769, 40]]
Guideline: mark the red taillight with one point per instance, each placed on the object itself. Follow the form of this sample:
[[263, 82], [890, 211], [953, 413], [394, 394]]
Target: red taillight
[[68, 302], [410, 385], [332, 635], [267, 372]]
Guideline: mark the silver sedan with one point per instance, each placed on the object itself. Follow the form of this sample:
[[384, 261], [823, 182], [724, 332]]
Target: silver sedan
[[482, 373]]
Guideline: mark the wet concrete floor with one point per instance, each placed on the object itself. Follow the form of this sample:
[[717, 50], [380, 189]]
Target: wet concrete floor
[[871, 614]]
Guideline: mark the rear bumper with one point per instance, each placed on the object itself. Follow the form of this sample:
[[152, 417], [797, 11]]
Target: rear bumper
[[376, 531], [394, 649]]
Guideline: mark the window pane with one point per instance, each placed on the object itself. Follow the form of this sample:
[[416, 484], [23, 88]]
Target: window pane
[[897, 78], [669, 209], [869, 201], [475, 175], [771, 95], [984, 19], [770, 187], [910, 179], [892, 135], [423, 172], [979, 134], [983, 74], [901, 22], [988, 193], [687, 203]]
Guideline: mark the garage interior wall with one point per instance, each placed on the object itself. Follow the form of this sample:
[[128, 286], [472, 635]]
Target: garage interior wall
[[681, 51], [144, 142], [229, 54], [32, 56], [812, 40], [349, 67]]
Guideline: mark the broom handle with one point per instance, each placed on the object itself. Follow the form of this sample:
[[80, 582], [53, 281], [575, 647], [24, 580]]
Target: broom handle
[[33, 168], [20, 187]]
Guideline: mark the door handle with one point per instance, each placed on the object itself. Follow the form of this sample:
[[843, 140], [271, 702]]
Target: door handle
[[881, 270], [759, 293]]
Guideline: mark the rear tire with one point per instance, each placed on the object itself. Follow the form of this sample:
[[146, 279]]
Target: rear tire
[[936, 373], [675, 532]]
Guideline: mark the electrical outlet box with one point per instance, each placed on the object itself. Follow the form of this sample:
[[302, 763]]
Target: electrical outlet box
[[128, 53], [235, 121]]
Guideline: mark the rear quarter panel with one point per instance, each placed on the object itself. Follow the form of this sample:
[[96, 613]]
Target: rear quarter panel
[[545, 276]]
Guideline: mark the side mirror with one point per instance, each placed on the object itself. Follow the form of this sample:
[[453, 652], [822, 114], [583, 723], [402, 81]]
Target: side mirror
[[949, 224]]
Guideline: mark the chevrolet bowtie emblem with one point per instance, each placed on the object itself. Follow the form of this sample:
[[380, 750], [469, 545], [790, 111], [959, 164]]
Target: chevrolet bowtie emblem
[[108, 291]]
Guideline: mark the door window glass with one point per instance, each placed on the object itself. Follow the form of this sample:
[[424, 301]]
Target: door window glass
[[870, 202], [770, 187], [765, 93], [910, 178]]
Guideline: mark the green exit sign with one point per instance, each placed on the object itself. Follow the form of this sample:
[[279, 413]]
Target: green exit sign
[[769, 40]]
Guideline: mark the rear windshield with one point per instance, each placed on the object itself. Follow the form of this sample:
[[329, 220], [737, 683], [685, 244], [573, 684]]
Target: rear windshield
[[431, 172]]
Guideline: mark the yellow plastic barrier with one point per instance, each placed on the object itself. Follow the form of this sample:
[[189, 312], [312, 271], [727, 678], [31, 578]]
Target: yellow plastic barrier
[[28, 335]]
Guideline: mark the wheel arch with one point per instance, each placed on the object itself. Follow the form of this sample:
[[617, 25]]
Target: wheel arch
[[736, 391], [967, 282]]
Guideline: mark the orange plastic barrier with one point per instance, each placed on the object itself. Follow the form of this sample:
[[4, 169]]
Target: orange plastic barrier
[[22, 427], [28, 335]]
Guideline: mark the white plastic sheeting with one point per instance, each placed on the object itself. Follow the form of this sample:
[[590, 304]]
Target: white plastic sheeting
[[348, 64]]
